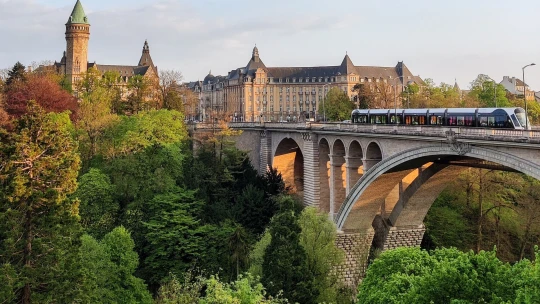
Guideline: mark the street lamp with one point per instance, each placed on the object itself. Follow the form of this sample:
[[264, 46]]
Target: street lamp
[[525, 96], [324, 98], [395, 97]]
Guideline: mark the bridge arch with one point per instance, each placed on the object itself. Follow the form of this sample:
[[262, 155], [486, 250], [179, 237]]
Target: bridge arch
[[374, 155], [366, 197], [288, 159]]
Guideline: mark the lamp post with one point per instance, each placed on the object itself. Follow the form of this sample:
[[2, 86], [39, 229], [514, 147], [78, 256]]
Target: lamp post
[[395, 97], [324, 99], [525, 96]]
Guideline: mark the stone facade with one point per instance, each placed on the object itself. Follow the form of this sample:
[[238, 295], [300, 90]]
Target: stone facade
[[260, 93]]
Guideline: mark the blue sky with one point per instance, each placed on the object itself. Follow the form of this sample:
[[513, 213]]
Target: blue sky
[[443, 40]]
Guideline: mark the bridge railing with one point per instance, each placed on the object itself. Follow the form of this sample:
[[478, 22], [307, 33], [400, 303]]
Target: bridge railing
[[430, 131]]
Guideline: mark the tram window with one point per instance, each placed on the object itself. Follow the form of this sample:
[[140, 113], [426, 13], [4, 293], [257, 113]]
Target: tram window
[[393, 119], [408, 120], [516, 122], [491, 121], [436, 120], [421, 120], [461, 120], [483, 122], [452, 121], [469, 121]]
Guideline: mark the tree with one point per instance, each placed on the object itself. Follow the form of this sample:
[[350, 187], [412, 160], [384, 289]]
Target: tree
[[132, 134], [245, 290], [108, 267], [318, 238], [285, 265], [239, 248], [38, 170], [98, 209], [411, 275], [337, 105], [16, 74], [94, 118], [169, 82], [488, 92], [365, 98], [138, 99], [44, 91]]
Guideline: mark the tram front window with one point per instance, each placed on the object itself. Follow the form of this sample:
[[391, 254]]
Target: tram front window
[[520, 114]]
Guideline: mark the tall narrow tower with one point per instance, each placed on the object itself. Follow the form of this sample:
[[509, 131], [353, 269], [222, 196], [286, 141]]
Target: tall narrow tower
[[77, 36]]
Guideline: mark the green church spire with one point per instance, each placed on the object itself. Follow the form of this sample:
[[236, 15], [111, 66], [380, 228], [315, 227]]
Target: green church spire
[[78, 16]]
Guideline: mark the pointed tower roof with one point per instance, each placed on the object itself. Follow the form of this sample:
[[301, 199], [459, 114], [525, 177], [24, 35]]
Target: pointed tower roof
[[146, 59], [78, 16], [456, 86], [346, 66], [255, 62]]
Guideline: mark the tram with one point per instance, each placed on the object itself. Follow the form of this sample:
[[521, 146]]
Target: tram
[[501, 118]]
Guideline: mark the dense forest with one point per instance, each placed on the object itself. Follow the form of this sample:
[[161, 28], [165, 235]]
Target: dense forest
[[105, 201]]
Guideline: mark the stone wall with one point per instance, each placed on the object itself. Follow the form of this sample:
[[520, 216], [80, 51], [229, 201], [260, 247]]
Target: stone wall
[[404, 237], [357, 247]]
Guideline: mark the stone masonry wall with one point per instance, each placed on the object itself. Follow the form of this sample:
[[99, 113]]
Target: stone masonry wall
[[356, 247], [404, 237]]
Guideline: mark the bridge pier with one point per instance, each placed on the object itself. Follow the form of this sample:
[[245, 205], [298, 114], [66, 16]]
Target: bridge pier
[[356, 246], [312, 182], [408, 236], [265, 155], [337, 181], [354, 170]]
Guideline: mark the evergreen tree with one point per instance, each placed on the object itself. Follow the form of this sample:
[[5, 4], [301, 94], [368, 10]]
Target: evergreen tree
[[16, 74], [38, 169], [284, 267]]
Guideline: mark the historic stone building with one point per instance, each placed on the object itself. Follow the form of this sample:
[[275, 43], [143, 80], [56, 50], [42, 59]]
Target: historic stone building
[[74, 63], [257, 92]]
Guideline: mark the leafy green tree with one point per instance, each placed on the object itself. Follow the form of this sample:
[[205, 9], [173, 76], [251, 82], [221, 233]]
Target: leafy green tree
[[94, 117], [174, 238], [488, 92], [337, 105], [318, 238], [132, 134], [108, 267], [411, 275], [137, 100], [285, 265], [245, 290], [176, 292], [98, 209], [38, 170]]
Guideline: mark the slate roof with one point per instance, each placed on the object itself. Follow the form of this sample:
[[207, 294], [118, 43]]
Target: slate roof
[[77, 15], [400, 71]]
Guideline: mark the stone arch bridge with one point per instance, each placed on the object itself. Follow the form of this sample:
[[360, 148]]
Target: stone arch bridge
[[378, 182]]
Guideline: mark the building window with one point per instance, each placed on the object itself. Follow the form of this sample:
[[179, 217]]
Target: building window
[[288, 98], [294, 98], [288, 90], [362, 80], [294, 80], [287, 80], [300, 79]]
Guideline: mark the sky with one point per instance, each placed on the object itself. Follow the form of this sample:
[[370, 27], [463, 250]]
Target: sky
[[443, 40]]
